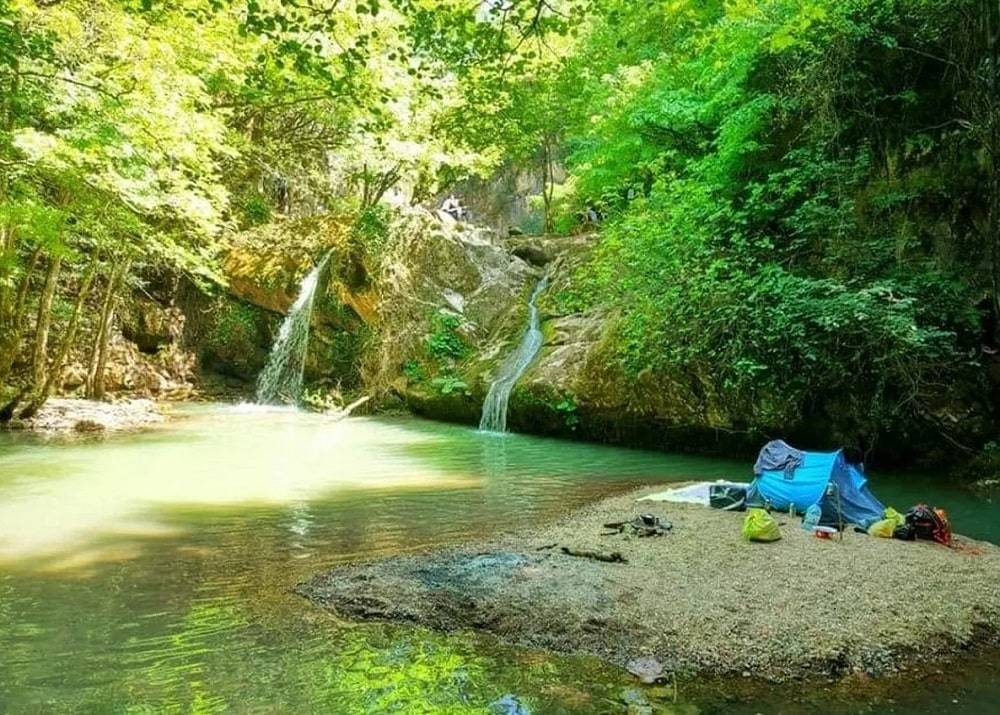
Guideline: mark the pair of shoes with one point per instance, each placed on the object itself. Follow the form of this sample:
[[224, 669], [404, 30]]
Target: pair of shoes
[[643, 525], [649, 525]]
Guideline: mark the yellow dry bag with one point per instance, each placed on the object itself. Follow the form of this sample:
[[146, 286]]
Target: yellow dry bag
[[887, 525], [760, 526]]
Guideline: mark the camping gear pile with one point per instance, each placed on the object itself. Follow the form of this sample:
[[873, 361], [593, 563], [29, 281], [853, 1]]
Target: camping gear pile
[[700, 493], [923, 522], [829, 491]]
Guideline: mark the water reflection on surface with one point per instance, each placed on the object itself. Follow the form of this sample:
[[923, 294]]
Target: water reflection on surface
[[152, 573]]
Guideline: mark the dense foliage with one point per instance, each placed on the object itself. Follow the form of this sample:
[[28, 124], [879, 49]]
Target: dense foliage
[[799, 199], [802, 202], [136, 136]]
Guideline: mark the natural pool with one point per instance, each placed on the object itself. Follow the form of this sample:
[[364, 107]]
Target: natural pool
[[152, 572]]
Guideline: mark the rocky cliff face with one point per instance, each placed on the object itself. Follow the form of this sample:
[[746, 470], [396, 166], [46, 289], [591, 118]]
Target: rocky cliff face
[[453, 304], [451, 298], [174, 340], [263, 269], [146, 356]]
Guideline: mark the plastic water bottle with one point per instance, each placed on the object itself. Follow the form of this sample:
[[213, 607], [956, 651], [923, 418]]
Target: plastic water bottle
[[811, 520]]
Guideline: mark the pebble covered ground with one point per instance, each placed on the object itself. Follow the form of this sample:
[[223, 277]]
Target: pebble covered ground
[[699, 599], [86, 416]]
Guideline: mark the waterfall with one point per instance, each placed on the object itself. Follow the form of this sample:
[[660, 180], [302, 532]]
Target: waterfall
[[281, 380], [494, 417]]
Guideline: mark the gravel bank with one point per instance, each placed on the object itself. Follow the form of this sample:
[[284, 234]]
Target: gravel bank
[[66, 415], [699, 600]]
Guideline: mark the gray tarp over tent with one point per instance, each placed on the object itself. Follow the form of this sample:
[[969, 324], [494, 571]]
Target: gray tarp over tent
[[777, 455]]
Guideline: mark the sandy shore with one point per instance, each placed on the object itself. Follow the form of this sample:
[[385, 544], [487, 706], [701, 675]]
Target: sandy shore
[[698, 600]]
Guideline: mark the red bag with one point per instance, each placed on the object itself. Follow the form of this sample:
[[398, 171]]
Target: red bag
[[945, 526]]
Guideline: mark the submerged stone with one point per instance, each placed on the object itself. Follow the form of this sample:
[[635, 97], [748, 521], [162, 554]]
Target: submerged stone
[[646, 669]]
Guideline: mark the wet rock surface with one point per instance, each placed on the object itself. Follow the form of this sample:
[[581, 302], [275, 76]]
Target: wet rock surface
[[576, 387], [440, 268], [696, 600]]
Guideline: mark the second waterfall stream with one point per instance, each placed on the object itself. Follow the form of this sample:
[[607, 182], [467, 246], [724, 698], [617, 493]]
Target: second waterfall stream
[[281, 380], [494, 418]]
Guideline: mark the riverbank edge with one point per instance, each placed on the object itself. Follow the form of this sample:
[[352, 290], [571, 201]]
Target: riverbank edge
[[682, 600], [64, 416], [68, 416]]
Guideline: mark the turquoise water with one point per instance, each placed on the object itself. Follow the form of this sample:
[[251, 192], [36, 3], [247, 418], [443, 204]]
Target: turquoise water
[[152, 573]]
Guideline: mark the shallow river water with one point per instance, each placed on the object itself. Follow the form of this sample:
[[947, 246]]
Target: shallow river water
[[152, 573]]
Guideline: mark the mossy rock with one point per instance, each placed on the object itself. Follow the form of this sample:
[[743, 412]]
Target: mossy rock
[[238, 339], [334, 356], [459, 407]]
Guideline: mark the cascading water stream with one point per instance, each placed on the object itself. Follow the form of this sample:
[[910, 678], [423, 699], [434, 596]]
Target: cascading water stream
[[280, 382], [494, 417]]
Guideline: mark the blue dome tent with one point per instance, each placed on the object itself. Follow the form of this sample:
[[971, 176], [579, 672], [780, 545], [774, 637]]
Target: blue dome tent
[[785, 476]]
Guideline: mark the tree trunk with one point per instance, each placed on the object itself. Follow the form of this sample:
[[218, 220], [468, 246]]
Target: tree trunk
[[95, 347], [7, 238], [548, 184], [99, 351], [7, 410], [8, 254], [989, 121], [21, 302], [6, 126], [44, 320], [12, 324], [55, 370], [102, 355]]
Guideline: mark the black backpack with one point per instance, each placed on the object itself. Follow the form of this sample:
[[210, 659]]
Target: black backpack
[[906, 532], [928, 523]]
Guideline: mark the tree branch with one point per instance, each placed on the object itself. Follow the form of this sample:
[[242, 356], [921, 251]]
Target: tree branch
[[78, 83]]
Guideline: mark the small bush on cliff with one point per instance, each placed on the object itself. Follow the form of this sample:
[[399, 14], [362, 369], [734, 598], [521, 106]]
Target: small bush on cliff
[[449, 383], [256, 211], [235, 324], [445, 341], [414, 371], [369, 235], [567, 407]]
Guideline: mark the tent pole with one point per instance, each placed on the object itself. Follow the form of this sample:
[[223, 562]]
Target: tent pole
[[840, 515]]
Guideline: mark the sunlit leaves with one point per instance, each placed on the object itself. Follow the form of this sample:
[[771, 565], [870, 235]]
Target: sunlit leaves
[[770, 177]]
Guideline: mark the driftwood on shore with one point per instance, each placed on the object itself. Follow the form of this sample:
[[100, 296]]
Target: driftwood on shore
[[612, 558], [343, 412]]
